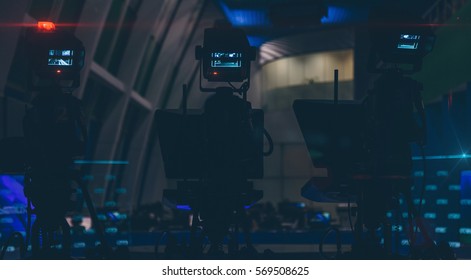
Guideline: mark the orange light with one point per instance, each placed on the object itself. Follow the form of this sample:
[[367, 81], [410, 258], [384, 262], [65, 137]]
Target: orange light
[[46, 26], [215, 73], [58, 71]]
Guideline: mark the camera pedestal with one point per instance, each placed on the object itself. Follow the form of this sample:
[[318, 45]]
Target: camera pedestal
[[216, 207]]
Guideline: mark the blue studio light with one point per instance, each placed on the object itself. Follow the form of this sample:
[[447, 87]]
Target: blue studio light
[[336, 15], [462, 156], [256, 41], [258, 17], [246, 17], [184, 207]]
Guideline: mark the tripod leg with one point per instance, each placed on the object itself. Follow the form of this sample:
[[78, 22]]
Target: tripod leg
[[96, 223], [42, 239], [387, 233], [36, 240], [196, 243], [233, 247], [66, 238], [29, 224], [358, 245]]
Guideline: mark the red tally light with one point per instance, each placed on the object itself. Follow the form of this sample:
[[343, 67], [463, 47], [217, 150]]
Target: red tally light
[[46, 26], [58, 71], [215, 73]]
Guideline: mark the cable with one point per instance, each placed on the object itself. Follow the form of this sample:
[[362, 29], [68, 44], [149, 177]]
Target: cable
[[234, 87], [270, 143], [339, 243], [10, 239], [29, 219], [349, 209], [422, 192], [157, 244]]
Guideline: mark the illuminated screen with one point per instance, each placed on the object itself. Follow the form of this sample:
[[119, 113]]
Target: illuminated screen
[[226, 60], [408, 42], [60, 58], [13, 205]]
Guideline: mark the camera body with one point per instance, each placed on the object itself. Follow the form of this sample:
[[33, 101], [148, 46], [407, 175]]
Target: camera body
[[399, 37], [54, 56], [53, 126], [226, 55], [404, 46]]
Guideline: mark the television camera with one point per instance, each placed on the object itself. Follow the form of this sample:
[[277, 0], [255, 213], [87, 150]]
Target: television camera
[[54, 134], [217, 151], [366, 146], [55, 57]]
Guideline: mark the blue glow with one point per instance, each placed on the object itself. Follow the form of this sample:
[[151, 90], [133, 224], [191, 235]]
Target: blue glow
[[6, 220], [249, 206], [396, 228], [13, 203], [442, 173], [184, 207], [442, 201], [419, 174], [111, 162], [466, 231], [259, 17], [462, 156], [101, 217], [12, 190], [246, 18], [465, 202], [417, 201], [440, 230], [111, 230], [343, 15], [431, 187], [122, 242], [454, 216], [431, 216], [466, 185], [78, 245], [257, 41]]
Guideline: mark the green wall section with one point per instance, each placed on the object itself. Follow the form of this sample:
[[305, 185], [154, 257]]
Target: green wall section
[[449, 64]]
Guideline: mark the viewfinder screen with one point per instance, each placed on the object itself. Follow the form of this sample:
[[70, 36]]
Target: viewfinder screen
[[226, 60], [408, 42], [60, 58]]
